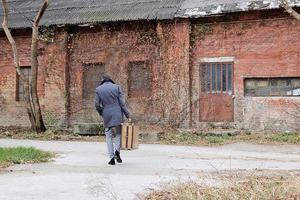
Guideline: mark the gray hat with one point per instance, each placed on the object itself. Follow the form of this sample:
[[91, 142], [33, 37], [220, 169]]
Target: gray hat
[[106, 78]]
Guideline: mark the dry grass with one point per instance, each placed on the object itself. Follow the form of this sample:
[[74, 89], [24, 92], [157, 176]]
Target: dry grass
[[232, 189], [19, 133], [170, 137], [197, 139]]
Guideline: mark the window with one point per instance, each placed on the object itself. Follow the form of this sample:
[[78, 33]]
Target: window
[[92, 74], [216, 77], [20, 91], [139, 79], [272, 86]]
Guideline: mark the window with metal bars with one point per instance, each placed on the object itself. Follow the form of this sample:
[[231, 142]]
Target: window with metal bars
[[20, 90], [92, 73], [289, 86], [216, 77]]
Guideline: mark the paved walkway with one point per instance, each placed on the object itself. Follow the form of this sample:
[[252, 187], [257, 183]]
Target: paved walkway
[[80, 170]]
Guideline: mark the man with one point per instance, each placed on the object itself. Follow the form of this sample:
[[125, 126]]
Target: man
[[110, 104]]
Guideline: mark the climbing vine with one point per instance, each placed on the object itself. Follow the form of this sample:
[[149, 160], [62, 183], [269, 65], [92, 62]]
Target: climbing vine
[[47, 34], [148, 37]]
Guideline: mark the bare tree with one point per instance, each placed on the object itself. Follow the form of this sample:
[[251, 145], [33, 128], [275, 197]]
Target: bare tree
[[289, 9], [30, 86]]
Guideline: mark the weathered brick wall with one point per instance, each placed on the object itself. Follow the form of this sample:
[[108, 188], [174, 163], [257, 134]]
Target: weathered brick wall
[[114, 46], [173, 98], [164, 46], [50, 81], [261, 48], [53, 60]]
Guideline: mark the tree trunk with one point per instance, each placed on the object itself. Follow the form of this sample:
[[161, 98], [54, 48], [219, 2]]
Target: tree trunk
[[28, 105], [30, 86], [39, 123]]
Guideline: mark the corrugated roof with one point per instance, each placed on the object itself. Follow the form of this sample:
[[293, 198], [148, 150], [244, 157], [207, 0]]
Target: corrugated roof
[[201, 8], [62, 12]]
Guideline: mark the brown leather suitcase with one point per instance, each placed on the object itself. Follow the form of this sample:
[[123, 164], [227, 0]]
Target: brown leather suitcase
[[130, 136]]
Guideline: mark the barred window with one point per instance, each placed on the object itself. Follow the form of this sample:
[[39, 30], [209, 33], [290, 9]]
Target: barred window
[[289, 86], [216, 77], [20, 90]]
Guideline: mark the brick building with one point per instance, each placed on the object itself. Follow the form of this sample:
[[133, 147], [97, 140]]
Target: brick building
[[185, 63]]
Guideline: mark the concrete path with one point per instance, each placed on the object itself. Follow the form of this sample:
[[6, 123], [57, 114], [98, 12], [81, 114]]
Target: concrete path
[[80, 170]]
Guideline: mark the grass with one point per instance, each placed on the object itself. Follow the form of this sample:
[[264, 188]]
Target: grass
[[251, 188], [22, 155], [189, 138], [285, 137], [19, 133], [173, 138]]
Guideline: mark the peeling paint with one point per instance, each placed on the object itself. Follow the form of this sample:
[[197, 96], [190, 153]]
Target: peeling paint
[[194, 11], [199, 8]]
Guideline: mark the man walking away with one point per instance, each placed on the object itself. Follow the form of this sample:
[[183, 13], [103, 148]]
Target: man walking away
[[110, 104]]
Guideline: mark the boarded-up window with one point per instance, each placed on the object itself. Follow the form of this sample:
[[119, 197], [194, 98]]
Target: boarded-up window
[[272, 86], [92, 74], [139, 79], [20, 84], [216, 77]]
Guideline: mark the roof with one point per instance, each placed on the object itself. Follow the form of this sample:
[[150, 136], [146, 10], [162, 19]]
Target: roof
[[63, 12], [202, 8]]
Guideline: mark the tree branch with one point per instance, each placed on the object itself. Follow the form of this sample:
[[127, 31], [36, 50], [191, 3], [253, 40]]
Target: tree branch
[[289, 9], [41, 13], [11, 40], [34, 45]]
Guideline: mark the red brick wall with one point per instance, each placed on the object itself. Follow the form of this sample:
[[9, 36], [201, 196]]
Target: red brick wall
[[114, 48], [261, 48], [50, 81], [164, 46]]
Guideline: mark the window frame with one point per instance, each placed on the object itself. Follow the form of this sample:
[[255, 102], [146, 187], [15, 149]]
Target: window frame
[[269, 81], [216, 63], [145, 94], [18, 80], [84, 65]]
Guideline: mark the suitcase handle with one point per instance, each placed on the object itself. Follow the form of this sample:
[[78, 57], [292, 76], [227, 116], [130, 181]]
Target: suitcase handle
[[128, 124]]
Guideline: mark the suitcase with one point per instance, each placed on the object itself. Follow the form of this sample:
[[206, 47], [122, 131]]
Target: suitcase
[[130, 136]]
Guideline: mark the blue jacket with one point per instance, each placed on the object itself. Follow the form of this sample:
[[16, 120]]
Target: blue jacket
[[110, 104]]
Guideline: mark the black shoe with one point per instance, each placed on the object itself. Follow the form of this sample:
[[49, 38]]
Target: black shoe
[[112, 161], [118, 157]]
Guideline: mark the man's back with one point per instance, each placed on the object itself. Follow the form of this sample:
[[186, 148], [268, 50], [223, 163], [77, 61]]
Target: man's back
[[110, 104], [109, 94]]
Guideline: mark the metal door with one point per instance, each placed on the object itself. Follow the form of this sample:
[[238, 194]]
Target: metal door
[[216, 95]]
